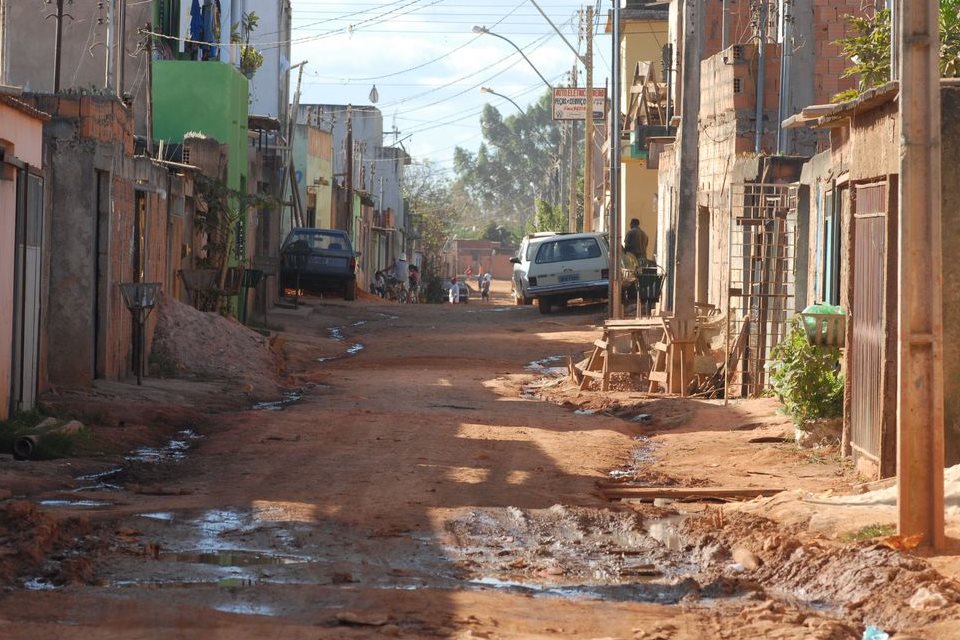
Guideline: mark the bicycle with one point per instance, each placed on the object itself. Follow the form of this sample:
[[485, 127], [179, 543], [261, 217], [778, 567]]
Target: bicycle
[[396, 291]]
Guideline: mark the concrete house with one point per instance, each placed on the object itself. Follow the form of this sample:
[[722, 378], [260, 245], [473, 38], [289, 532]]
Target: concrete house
[[366, 173], [734, 243], [21, 251], [852, 260], [643, 33]]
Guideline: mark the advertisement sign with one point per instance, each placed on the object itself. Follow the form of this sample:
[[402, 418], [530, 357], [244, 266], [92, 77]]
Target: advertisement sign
[[570, 103]]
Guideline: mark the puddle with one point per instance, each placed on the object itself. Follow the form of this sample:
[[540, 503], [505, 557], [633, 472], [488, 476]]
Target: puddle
[[164, 516], [174, 451], [38, 584], [289, 398], [666, 532], [101, 475], [354, 349], [97, 481], [548, 366], [87, 504], [359, 323], [247, 608], [327, 358], [336, 333], [234, 558], [387, 316], [641, 456]]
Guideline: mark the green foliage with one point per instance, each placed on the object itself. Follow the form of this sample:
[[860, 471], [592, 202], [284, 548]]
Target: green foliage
[[870, 532], [437, 206], [517, 163], [869, 48], [219, 219], [250, 58], [806, 378], [550, 218]]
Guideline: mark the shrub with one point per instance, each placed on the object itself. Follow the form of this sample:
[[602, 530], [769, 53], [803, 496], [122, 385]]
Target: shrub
[[805, 377]]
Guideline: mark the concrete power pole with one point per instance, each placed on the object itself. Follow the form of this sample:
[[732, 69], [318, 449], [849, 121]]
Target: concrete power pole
[[616, 306], [588, 134], [572, 213], [920, 448], [684, 266]]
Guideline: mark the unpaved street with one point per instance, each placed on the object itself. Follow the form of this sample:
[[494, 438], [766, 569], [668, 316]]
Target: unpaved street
[[411, 486]]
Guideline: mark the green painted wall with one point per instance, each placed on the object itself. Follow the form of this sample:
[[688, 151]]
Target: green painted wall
[[206, 97]]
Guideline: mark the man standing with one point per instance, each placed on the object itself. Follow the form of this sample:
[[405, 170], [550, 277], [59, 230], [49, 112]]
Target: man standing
[[636, 241]]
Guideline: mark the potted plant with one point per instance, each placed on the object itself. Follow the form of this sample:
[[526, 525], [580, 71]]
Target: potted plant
[[250, 58]]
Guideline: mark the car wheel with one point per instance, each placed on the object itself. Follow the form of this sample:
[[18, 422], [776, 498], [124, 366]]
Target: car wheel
[[545, 304], [350, 290]]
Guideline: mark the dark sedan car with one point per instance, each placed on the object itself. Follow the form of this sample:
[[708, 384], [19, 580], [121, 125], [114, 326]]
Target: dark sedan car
[[319, 260]]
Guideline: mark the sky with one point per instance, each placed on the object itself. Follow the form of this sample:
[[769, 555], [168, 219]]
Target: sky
[[428, 65]]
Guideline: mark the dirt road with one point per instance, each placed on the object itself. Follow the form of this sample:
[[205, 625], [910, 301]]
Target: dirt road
[[413, 487]]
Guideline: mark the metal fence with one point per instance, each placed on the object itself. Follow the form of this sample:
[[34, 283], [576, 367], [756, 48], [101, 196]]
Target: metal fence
[[761, 281]]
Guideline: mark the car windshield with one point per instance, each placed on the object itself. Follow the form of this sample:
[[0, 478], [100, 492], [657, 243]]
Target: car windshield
[[320, 240], [568, 249]]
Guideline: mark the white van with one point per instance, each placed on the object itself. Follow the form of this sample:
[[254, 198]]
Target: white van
[[521, 264], [568, 266]]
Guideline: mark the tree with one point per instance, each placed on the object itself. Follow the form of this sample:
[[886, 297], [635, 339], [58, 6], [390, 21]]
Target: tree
[[869, 48], [517, 163], [437, 205]]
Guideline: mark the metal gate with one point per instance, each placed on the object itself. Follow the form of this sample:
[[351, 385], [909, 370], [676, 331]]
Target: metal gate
[[867, 348], [761, 285], [26, 291]]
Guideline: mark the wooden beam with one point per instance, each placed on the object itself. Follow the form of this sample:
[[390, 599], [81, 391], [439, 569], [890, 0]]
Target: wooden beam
[[648, 494], [920, 342]]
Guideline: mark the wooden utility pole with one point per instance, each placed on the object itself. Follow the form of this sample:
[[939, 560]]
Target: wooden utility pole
[[920, 456], [588, 134], [572, 213]]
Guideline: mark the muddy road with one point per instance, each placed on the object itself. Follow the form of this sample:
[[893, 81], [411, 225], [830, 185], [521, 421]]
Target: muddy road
[[411, 484]]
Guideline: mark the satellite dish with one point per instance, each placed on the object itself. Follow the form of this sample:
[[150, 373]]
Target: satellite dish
[[374, 96]]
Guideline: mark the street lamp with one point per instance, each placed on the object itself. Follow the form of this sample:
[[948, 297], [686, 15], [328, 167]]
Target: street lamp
[[477, 29], [491, 91]]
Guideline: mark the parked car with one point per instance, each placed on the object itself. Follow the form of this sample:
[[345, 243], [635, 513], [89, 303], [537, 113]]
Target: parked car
[[463, 289], [569, 266], [319, 260], [521, 264]]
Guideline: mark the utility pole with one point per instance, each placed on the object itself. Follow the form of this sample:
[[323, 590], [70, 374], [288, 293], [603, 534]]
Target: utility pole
[[761, 73], [588, 135], [572, 213], [57, 46], [685, 248], [121, 51], [108, 58], [616, 306], [350, 162], [148, 51], [920, 455]]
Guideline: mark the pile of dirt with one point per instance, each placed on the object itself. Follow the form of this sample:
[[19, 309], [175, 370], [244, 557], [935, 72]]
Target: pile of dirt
[[197, 344], [866, 583], [36, 546]]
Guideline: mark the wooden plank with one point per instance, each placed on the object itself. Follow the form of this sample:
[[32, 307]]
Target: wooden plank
[[658, 376], [600, 344], [629, 362], [648, 494]]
